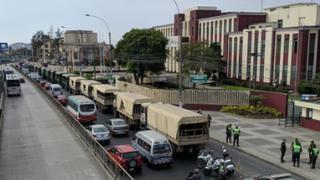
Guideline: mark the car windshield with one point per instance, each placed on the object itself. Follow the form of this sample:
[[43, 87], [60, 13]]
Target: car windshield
[[56, 89], [86, 108], [161, 148], [13, 83], [119, 123], [99, 130], [130, 155]]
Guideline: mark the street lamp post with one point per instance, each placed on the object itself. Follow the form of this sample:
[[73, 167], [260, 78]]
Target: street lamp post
[[180, 54], [109, 35]]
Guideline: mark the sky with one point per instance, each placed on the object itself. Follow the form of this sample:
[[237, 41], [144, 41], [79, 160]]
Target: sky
[[20, 19]]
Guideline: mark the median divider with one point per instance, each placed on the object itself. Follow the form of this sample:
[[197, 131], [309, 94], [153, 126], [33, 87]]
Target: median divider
[[112, 166]]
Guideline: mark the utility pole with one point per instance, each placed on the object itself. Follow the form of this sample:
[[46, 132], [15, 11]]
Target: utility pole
[[180, 54]]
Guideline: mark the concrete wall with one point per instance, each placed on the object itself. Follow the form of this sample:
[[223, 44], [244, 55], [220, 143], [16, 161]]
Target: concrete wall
[[310, 124], [275, 100]]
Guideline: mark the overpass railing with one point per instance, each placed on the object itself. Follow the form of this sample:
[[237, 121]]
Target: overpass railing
[[112, 166]]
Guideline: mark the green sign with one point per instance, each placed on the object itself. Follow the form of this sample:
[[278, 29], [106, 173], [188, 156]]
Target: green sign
[[199, 78]]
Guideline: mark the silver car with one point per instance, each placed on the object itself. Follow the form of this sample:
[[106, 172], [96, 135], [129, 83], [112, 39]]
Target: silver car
[[100, 133], [118, 126]]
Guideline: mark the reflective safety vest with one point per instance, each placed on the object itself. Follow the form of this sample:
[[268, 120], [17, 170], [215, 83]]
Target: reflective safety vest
[[236, 131], [296, 148], [315, 151]]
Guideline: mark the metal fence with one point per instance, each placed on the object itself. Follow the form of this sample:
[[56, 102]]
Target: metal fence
[[114, 168], [190, 96]]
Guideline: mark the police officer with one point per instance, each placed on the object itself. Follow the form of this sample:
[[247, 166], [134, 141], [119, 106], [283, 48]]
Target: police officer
[[314, 156], [283, 149], [236, 134], [209, 119], [310, 150], [297, 149], [228, 133]]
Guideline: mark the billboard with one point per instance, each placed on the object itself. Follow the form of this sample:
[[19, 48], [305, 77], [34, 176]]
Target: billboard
[[3, 47]]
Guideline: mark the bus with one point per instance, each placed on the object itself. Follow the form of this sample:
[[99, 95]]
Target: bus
[[82, 108], [7, 71], [13, 85]]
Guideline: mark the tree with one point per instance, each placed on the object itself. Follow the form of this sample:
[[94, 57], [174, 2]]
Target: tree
[[142, 51], [56, 42], [37, 40], [201, 57]]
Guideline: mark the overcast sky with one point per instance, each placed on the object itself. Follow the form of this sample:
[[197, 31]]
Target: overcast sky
[[20, 19]]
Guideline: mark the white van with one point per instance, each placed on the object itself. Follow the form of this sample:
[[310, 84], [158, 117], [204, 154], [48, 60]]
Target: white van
[[154, 147], [55, 90]]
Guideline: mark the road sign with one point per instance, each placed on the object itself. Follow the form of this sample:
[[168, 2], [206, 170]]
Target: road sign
[[199, 78]]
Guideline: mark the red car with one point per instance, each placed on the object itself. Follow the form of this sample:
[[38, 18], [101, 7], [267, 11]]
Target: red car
[[127, 157], [47, 85], [42, 83], [62, 99]]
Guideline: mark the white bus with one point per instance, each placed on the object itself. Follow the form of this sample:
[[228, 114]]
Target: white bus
[[82, 108], [13, 85]]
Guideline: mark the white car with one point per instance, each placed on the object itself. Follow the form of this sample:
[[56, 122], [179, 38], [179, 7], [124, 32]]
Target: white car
[[118, 126], [100, 133]]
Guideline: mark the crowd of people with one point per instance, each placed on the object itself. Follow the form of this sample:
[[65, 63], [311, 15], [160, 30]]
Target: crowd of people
[[296, 149]]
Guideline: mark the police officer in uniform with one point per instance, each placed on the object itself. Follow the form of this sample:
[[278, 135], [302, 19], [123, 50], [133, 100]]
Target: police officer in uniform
[[236, 134], [297, 149], [314, 156], [228, 133]]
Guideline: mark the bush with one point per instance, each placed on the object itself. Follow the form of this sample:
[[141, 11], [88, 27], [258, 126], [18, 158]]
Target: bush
[[259, 111], [307, 87], [255, 100]]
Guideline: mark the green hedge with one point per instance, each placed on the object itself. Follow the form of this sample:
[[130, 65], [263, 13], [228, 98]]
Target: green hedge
[[259, 112]]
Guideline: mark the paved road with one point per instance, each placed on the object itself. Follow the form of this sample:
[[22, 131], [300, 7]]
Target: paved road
[[35, 144], [249, 166]]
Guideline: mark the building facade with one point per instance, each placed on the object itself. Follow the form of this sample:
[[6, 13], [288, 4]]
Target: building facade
[[81, 47], [277, 46]]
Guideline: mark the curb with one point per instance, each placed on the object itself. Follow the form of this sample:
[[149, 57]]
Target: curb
[[253, 155]]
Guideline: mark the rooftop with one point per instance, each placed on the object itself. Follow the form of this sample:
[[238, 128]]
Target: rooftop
[[290, 5]]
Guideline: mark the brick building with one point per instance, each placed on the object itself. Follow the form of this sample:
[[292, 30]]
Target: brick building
[[279, 45]]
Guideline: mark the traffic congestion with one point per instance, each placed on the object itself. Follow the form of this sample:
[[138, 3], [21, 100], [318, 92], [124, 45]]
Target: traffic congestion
[[142, 135]]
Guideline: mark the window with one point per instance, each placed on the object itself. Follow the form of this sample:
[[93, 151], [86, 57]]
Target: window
[[225, 26], [216, 27], [130, 155], [13, 83], [293, 73], [144, 145], [161, 148], [230, 24], [86, 108], [286, 45], [211, 33], [84, 87], [309, 113], [280, 23], [263, 48], [295, 45]]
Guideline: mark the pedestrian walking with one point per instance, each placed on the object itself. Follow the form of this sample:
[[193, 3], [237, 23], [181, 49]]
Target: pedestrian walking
[[283, 149], [209, 119], [228, 133], [236, 135], [314, 156], [297, 149], [310, 150]]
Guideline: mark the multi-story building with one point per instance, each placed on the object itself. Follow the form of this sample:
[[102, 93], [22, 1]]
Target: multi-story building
[[279, 45], [283, 50], [80, 47]]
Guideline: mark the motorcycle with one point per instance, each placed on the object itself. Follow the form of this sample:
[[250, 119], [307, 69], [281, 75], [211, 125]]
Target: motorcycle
[[214, 166], [204, 158]]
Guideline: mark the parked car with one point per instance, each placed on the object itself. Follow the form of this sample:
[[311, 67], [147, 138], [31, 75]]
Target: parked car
[[47, 85], [284, 176], [100, 132], [42, 83], [62, 99], [128, 157], [118, 126]]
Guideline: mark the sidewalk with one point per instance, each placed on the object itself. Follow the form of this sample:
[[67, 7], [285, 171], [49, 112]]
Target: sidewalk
[[262, 138]]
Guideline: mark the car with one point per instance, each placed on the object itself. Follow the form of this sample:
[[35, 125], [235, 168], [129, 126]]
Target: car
[[118, 126], [55, 90], [62, 99], [100, 132], [283, 176], [47, 85], [42, 83], [127, 156], [22, 80]]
